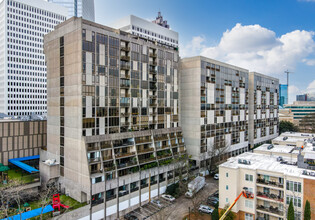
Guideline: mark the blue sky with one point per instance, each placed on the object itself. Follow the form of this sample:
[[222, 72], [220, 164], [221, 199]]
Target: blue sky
[[267, 36]]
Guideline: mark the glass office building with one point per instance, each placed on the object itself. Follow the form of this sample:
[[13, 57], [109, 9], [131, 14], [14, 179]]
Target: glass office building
[[78, 8], [283, 94]]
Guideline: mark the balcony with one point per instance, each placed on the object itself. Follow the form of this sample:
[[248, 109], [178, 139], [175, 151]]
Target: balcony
[[125, 66], [152, 71], [147, 160], [106, 169], [153, 55], [125, 165], [153, 63], [124, 123], [164, 156], [111, 197], [125, 76], [125, 114], [141, 151], [126, 154], [123, 193], [125, 48], [94, 160], [134, 189], [270, 210], [153, 104], [105, 158], [144, 186], [125, 58], [270, 196], [269, 183], [124, 85]]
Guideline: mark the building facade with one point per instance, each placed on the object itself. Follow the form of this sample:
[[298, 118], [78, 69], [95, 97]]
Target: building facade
[[22, 61], [158, 30], [263, 108], [273, 184], [283, 90], [300, 109], [214, 108], [113, 99], [78, 8], [21, 139], [275, 174]]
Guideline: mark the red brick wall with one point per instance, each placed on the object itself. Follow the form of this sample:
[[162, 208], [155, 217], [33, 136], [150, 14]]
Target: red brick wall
[[309, 194]]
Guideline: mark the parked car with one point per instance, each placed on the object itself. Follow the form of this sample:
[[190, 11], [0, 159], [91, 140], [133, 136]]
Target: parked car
[[216, 176], [129, 216], [205, 209], [168, 197], [213, 200], [215, 194], [156, 203]]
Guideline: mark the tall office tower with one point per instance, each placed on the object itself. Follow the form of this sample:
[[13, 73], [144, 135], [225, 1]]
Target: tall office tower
[[78, 8], [283, 96], [301, 97], [263, 108], [22, 61], [112, 114], [214, 108], [158, 30]]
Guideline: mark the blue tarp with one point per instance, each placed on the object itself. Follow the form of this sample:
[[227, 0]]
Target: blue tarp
[[31, 214], [18, 162]]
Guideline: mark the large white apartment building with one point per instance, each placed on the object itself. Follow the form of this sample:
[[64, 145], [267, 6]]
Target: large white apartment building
[[23, 23], [157, 30], [275, 174], [78, 8]]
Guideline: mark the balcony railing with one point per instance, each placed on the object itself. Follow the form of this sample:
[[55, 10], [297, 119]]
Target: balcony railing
[[153, 55], [146, 160], [153, 63], [270, 183], [125, 48], [270, 196], [134, 189], [144, 186], [123, 193], [111, 197], [145, 150], [125, 66], [120, 154], [123, 165], [127, 58], [271, 209]]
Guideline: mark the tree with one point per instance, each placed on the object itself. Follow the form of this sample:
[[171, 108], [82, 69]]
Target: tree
[[46, 196], [290, 214], [285, 126], [307, 210], [215, 214], [215, 155], [230, 215]]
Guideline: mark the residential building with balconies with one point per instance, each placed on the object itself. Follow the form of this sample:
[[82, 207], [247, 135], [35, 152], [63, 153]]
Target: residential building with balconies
[[214, 108], [273, 180], [112, 115], [263, 108]]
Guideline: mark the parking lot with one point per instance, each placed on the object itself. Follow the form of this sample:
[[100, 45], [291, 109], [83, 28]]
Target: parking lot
[[178, 209]]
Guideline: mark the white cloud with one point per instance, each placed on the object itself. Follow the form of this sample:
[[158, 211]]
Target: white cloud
[[309, 62], [293, 91], [257, 48], [311, 87], [194, 47]]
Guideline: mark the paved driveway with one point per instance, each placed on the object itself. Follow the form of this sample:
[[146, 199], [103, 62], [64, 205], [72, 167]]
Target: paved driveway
[[180, 208]]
